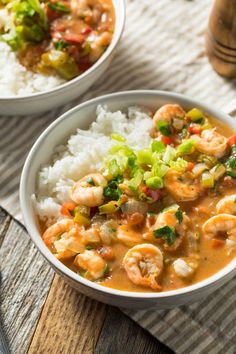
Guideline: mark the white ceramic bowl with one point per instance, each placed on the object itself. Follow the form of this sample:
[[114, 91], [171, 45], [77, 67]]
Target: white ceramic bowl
[[46, 100], [57, 133]]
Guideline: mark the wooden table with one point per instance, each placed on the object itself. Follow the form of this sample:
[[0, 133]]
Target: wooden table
[[41, 314]]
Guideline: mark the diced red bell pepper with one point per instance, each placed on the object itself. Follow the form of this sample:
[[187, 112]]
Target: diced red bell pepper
[[232, 140], [66, 208], [84, 66], [194, 130], [167, 140]]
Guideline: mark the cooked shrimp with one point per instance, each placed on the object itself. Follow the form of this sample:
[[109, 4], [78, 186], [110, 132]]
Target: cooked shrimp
[[220, 224], [92, 262], [211, 143], [227, 205], [88, 190], [169, 113], [143, 265], [91, 235], [168, 218], [128, 235], [182, 186], [64, 239]]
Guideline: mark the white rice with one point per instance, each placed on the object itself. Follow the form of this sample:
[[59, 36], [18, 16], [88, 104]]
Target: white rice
[[15, 79], [84, 154]]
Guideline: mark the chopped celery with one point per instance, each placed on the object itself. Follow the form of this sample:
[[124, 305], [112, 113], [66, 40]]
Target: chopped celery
[[195, 114], [144, 157], [207, 180], [217, 171], [179, 165], [187, 147], [158, 146], [164, 128], [81, 219], [169, 154], [154, 183], [108, 208], [118, 137]]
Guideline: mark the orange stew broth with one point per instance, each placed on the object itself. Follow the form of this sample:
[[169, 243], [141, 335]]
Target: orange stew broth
[[211, 259]]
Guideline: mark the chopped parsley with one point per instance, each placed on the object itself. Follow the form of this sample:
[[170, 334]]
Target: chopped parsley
[[164, 128], [106, 269], [58, 7], [59, 45], [90, 181], [112, 191], [167, 233], [179, 216]]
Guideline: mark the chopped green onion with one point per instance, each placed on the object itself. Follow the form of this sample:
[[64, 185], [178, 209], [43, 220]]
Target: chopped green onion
[[158, 146], [159, 169], [164, 128], [169, 154], [144, 157], [187, 147], [137, 179], [179, 165], [154, 183], [118, 137]]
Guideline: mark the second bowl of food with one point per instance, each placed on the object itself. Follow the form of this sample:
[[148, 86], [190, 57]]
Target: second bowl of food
[[131, 197], [52, 51]]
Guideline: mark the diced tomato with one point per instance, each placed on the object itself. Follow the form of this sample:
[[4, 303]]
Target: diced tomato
[[167, 140], [194, 130], [217, 242], [232, 140], [86, 30], [73, 38], [66, 208], [190, 166]]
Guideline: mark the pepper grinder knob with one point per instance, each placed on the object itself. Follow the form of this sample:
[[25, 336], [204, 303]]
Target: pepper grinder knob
[[221, 37]]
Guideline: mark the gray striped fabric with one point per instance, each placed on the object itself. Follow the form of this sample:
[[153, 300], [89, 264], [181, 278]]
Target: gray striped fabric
[[162, 48]]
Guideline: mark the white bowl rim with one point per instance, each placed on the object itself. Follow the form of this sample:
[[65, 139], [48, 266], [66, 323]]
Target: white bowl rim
[[119, 27], [36, 238]]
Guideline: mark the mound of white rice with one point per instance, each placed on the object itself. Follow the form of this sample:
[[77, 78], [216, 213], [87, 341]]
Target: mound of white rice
[[15, 79], [84, 154]]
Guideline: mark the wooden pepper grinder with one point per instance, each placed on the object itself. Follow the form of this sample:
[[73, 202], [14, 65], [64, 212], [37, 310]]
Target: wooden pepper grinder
[[221, 37]]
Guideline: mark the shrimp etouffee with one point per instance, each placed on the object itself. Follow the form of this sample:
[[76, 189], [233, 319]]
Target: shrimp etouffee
[[156, 219]]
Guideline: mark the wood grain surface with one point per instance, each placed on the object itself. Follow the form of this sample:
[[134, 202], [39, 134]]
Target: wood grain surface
[[41, 314]]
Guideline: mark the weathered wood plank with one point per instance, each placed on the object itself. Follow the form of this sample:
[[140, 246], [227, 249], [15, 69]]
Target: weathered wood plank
[[5, 220], [121, 335], [26, 278], [69, 323]]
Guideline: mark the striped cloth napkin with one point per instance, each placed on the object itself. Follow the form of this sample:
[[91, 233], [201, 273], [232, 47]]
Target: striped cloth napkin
[[162, 48]]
